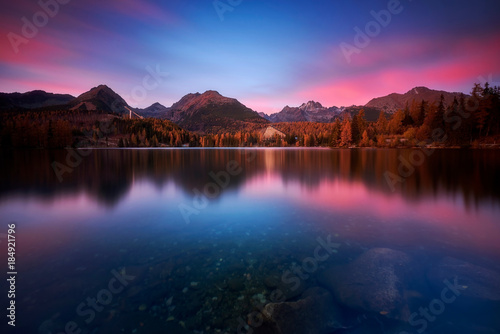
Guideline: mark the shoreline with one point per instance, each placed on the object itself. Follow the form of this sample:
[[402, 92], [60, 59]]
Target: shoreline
[[480, 147]]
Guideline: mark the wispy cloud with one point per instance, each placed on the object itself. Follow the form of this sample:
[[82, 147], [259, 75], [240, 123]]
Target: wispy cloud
[[393, 67]]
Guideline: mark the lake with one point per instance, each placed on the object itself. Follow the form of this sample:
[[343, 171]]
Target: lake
[[253, 240]]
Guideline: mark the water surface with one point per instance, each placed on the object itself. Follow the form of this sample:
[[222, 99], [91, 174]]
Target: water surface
[[199, 232]]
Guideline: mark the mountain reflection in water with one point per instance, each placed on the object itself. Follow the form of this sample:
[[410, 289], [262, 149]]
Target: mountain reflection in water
[[207, 232]]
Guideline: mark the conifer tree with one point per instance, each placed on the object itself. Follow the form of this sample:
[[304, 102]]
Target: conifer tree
[[346, 135]]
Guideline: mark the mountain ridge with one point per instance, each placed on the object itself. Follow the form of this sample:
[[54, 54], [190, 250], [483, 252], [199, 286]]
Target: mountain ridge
[[156, 110], [101, 97], [210, 111], [33, 99], [310, 111], [394, 101]]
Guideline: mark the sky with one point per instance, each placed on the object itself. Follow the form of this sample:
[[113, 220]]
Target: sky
[[267, 54]]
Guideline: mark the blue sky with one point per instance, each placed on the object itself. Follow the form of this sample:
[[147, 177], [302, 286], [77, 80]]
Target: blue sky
[[267, 54]]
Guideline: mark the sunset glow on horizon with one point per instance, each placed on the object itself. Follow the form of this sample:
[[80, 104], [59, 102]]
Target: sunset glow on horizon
[[265, 54]]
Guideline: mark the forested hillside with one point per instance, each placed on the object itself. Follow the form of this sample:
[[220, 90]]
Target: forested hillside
[[58, 129], [467, 121]]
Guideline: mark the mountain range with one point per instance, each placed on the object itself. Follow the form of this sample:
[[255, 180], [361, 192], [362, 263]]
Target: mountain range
[[33, 99], [210, 111], [308, 112], [395, 101]]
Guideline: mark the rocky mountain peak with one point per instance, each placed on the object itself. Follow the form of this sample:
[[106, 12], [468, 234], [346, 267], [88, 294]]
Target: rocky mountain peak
[[311, 105]]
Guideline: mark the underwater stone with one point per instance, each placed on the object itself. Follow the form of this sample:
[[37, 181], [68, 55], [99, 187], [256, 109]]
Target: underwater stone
[[374, 282], [236, 284], [315, 313]]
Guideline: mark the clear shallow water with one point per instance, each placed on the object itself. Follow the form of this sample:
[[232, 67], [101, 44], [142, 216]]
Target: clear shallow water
[[192, 241]]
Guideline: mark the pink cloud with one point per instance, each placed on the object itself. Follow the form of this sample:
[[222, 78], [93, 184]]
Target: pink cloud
[[391, 52], [356, 90], [37, 52], [265, 104], [383, 69]]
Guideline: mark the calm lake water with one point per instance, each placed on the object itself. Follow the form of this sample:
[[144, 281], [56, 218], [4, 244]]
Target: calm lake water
[[195, 240]]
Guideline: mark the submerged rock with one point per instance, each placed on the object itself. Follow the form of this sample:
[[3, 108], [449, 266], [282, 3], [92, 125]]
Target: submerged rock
[[471, 280], [291, 289], [236, 284], [374, 282], [315, 313], [272, 281]]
